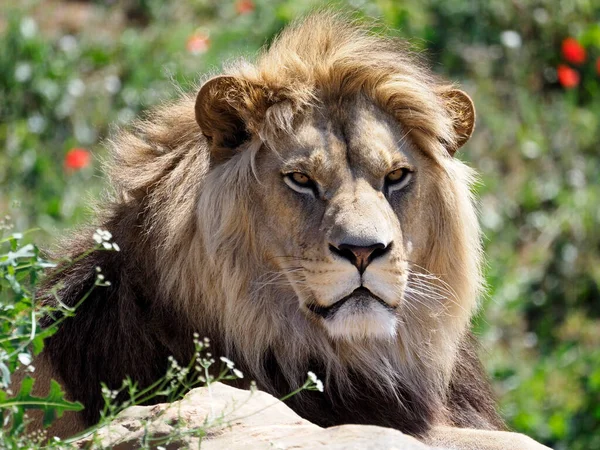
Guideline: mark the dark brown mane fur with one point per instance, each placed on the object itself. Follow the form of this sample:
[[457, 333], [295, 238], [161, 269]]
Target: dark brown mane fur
[[155, 302]]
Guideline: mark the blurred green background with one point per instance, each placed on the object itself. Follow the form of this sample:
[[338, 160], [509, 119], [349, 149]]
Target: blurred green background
[[70, 71]]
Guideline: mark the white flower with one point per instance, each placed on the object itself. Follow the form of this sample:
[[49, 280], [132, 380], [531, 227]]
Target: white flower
[[103, 237], [106, 393], [540, 15], [238, 373], [511, 39], [106, 235], [24, 358], [318, 384], [227, 361], [36, 124], [28, 27], [112, 84], [68, 43], [76, 87], [23, 72]]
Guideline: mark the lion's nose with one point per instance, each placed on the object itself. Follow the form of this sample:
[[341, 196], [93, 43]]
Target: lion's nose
[[360, 256]]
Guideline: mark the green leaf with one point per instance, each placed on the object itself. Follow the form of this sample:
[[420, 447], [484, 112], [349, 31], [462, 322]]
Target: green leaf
[[53, 405], [591, 36], [38, 344], [56, 404], [24, 252]]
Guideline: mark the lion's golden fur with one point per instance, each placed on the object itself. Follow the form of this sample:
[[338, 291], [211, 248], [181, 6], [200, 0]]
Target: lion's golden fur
[[205, 260], [189, 221]]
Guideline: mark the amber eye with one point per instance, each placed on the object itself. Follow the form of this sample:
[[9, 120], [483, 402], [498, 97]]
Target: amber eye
[[301, 183], [397, 179], [300, 178], [396, 175]]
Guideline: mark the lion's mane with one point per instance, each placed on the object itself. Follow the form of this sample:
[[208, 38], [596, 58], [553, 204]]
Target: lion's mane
[[189, 255]]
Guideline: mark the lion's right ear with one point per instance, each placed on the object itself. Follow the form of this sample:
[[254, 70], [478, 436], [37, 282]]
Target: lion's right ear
[[228, 110]]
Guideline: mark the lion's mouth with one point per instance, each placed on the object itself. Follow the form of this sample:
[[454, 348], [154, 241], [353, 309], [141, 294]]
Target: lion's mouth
[[358, 300]]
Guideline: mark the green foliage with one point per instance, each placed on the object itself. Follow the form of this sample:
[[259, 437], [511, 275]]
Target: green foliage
[[53, 405], [21, 339], [535, 146], [20, 268]]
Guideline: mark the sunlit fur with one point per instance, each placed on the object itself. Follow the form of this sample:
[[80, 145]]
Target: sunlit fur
[[200, 218], [204, 227]]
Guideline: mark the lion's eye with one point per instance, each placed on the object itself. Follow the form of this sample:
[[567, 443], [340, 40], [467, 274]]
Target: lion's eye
[[300, 178], [301, 183], [397, 179]]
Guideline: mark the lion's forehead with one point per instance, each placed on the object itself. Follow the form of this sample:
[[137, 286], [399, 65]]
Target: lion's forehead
[[359, 140]]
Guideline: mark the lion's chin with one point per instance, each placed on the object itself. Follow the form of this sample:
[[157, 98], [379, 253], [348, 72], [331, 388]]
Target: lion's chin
[[360, 315]]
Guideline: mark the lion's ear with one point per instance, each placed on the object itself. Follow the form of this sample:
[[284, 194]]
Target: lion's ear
[[228, 110], [462, 111]]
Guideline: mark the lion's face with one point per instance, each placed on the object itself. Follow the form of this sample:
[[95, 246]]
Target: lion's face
[[342, 199], [316, 189]]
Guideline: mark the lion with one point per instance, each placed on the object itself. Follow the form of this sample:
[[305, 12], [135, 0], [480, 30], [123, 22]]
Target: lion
[[304, 212]]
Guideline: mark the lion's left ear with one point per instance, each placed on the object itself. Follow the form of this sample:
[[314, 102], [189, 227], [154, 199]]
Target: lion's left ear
[[462, 111]]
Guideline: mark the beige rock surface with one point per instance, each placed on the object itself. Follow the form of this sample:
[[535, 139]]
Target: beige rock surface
[[236, 419]]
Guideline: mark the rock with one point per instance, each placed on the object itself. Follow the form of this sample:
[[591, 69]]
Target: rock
[[223, 417]]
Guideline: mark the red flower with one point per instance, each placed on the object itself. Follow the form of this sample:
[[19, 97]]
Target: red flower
[[198, 43], [572, 51], [568, 77], [244, 6], [77, 158], [598, 66]]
